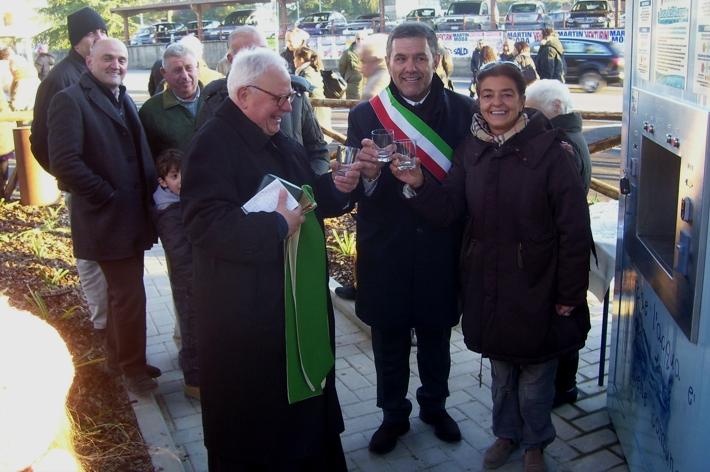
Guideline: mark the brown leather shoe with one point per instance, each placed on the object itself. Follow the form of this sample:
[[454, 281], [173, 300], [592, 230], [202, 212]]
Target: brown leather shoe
[[498, 453], [534, 461], [192, 391]]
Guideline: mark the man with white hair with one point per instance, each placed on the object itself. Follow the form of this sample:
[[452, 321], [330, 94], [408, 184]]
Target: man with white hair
[[554, 100], [170, 117], [373, 65], [266, 371], [299, 124]]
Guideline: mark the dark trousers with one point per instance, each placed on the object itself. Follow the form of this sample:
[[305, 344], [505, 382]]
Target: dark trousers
[[332, 459], [125, 327], [566, 378], [391, 348]]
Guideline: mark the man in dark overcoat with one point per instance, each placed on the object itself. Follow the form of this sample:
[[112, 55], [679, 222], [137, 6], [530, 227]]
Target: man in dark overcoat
[[407, 268], [97, 147], [84, 27], [250, 419]]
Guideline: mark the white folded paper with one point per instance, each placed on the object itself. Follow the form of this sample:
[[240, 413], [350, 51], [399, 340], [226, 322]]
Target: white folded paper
[[268, 198]]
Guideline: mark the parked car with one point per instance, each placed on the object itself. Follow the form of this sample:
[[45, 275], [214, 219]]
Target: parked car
[[559, 18], [466, 16], [424, 15], [157, 33], [260, 18], [369, 22], [324, 22], [210, 29], [591, 14], [525, 15], [592, 63]]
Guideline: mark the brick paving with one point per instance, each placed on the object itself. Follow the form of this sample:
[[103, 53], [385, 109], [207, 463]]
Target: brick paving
[[585, 440]]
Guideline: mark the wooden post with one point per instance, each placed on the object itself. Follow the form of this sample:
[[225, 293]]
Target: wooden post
[[283, 20], [494, 17], [126, 39], [382, 16], [200, 34]]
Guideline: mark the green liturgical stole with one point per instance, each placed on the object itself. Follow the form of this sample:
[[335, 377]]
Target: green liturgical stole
[[309, 356]]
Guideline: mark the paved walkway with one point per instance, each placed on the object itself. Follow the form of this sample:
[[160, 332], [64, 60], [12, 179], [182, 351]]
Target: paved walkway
[[585, 441]]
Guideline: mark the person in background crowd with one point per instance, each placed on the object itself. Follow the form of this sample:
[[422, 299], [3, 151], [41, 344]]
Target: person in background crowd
[[178, 251], [169, 117], [550, 59], [373, 62], [98, 149], [475, 65], [525, 266], [298, 124], [506, 53], [406, 268], [44, 61], [24, 80], [84, 27], [295, 38], [525, 61], [309, 66], [554, 100], [350, 67], [7, 144], [206, 75], [488, 55], [269, 401], [446, 68]]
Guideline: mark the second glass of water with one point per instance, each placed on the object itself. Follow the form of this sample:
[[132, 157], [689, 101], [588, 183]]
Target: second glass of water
[[345, 155], [383, 139], [406, 151]]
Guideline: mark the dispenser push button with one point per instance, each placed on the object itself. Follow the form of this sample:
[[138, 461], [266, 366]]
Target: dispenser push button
[[686, 210]]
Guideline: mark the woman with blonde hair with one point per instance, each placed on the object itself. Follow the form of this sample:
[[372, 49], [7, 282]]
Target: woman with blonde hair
[[309, 66]]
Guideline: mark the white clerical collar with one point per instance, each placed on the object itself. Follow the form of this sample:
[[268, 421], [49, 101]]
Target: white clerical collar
[[419, 102]]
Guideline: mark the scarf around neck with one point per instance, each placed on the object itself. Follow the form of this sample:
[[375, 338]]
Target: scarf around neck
[[481, 130]]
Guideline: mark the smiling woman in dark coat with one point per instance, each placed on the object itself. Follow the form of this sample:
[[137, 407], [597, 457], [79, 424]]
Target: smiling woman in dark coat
[[250, 420], [525, 256]]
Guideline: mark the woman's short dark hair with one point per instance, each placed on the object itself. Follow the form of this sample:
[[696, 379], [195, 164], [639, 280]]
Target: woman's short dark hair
[[502, 69], [167, 161], [413, 29]]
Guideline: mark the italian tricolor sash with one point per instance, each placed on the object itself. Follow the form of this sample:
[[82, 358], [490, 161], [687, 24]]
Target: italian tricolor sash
[[434, 154]]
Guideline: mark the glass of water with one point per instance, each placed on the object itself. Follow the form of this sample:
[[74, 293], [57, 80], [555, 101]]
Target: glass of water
[[383, 139], [406, 151], [345, 156]]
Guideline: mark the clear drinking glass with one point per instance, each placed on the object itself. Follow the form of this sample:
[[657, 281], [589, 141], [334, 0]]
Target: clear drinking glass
[[383, 139], [406, 150], [345, 155]]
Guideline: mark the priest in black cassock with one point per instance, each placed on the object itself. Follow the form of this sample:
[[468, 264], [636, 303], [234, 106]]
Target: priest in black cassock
[[265, 329]]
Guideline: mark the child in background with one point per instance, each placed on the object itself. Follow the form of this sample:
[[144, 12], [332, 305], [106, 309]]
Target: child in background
[[178, 251]]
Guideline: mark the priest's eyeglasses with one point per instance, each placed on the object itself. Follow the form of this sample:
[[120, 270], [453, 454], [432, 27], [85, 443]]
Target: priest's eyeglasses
[[280, 99]]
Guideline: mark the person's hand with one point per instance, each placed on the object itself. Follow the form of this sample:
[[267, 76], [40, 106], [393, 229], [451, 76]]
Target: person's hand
[[564, 310], [367, 157], [294, 218], [567, 147], [413, 177], [346, 182]]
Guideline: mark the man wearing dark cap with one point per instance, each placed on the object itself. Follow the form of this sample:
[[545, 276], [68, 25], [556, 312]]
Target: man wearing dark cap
[[85, 27]]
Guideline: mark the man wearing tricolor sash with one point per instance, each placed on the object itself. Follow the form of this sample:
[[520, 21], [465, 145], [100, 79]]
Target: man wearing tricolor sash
[[407, 268]]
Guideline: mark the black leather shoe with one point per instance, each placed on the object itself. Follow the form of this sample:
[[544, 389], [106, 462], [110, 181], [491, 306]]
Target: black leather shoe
[[445, 428], [346, 292], [385, 438], [569, 396], [152, 371]]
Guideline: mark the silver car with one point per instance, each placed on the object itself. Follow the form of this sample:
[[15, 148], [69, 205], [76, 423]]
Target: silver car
[[525, 15]]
